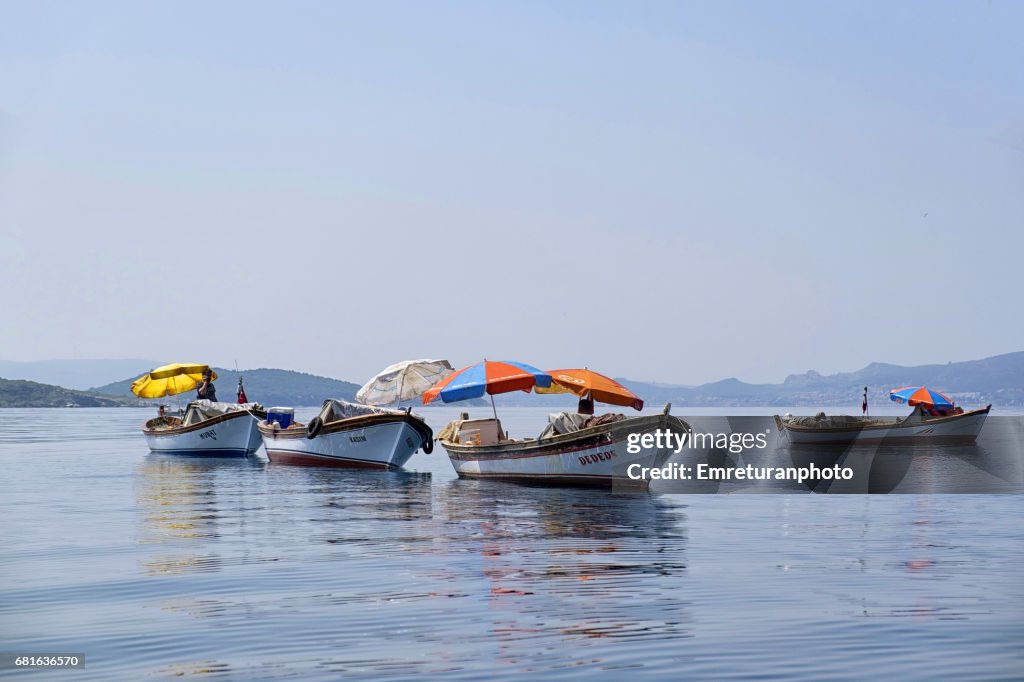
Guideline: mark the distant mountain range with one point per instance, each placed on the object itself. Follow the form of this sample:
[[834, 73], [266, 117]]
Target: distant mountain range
[[271, 387], [998, 380]]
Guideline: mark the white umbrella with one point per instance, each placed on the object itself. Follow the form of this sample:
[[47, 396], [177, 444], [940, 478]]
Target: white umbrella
[[404, 380]]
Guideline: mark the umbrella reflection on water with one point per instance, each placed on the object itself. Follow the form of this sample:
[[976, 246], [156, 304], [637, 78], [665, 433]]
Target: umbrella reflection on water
[[568, 561]]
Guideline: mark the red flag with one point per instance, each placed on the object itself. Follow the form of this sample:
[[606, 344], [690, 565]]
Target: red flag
[[242, 399]]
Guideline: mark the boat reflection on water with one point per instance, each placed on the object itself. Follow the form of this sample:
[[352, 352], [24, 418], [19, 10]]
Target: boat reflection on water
[[568, 513], [180, 503], [177, 503], [992, 465], [566, 562], [366, 515], [917, 469], [350, 494]]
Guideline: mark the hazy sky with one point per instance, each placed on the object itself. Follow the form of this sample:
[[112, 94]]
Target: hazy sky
[[677, 192]]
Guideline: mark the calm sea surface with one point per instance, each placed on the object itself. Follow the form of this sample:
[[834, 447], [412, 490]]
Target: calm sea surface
[[159, 566]]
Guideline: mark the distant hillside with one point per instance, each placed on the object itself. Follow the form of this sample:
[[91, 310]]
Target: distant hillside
[[20, 393], [75, 374], [271, 387], [998, 380], [989, 375]]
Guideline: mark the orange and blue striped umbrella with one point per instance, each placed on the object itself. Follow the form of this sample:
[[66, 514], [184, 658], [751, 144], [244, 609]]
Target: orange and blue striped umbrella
[[490, 377], [919, 395]]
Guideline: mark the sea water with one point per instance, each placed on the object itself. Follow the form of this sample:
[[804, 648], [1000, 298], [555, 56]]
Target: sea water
[[160, 566]]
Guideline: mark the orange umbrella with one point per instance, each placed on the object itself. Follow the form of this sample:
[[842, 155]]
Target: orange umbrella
[[598, 386]]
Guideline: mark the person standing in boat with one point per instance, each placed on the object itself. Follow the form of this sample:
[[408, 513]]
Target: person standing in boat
[[206, 390]]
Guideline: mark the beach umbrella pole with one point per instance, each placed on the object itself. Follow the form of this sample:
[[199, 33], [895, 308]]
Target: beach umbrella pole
[[493, 408]]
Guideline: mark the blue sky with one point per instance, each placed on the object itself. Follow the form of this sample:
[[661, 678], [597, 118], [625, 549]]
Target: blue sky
[[666, 191]]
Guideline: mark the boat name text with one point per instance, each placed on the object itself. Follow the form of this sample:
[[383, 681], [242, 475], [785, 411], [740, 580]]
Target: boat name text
[[597, 457]]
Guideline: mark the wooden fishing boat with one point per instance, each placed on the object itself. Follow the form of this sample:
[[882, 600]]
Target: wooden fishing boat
[[348, 434], [596, 455], [207, 429], [918, 427]]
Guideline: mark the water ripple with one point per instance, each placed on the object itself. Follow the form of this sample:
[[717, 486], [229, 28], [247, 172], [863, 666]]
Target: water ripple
[[244, 570]]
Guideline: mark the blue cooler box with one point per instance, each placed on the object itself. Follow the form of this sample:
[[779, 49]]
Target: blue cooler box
[[284, 416]]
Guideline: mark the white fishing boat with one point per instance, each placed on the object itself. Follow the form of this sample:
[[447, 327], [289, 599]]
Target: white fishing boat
[[208, 429], [916, 428], [573, 450], [348, 435]]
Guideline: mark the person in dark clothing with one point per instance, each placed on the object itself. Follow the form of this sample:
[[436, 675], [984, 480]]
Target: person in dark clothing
[[206, 389]]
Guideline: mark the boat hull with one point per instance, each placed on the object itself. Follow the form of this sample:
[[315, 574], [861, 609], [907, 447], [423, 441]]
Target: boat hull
[[375, 442], [230, 435], [960, 429], [597, 456]]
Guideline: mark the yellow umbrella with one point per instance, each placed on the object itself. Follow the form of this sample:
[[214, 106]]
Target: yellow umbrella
[[170, 380]]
